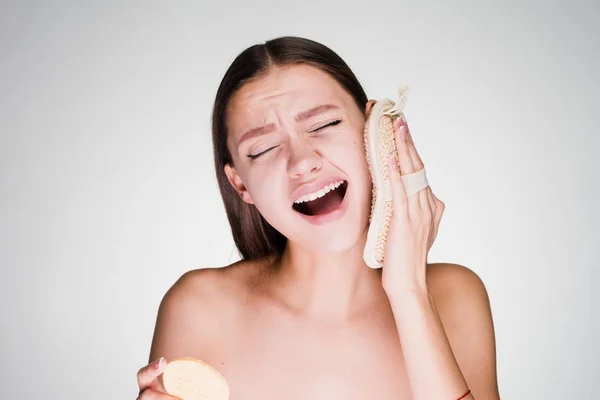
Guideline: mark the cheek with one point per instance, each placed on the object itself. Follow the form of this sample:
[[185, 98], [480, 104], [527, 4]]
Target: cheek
[[257, 187], [265, 188], [351, 158], [348, 153]]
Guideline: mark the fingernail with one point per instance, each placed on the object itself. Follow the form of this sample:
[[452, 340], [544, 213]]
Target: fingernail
[[401, 126], [403, 132], [158, 363]]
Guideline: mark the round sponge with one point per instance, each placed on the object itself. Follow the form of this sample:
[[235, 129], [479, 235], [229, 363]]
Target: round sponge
[[191, 379]]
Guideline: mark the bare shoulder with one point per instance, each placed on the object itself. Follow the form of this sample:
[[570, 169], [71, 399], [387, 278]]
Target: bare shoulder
[[460, 297], [448, 280], [199, 307], [463, 305], [214, 287]]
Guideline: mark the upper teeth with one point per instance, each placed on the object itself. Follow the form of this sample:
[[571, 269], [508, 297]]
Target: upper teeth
[[319, 193]]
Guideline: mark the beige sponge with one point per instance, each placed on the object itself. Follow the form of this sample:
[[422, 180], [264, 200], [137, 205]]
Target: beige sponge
[[191, 379]]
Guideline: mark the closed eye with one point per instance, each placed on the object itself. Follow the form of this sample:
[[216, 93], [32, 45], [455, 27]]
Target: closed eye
[[255, 156], [332, 123]]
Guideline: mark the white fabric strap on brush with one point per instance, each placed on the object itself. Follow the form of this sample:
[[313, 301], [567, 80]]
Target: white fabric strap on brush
[[396, 110], [413, 183]]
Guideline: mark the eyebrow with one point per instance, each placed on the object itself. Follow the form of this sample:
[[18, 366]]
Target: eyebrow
[[302, 116]]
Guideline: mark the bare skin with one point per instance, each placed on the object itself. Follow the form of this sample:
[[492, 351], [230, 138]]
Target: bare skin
[[236, 319], [315, 323]]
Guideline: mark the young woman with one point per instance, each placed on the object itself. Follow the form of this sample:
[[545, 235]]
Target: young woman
[[301, 316]]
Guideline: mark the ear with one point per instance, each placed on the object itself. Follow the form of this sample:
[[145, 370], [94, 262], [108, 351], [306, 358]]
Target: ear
[[237, 184], [369, 107]]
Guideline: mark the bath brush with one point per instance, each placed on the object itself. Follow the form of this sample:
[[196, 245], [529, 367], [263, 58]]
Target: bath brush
[[380, 145], [191, 379]]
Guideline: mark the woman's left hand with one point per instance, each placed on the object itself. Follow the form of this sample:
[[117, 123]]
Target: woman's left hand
[[414, 226]]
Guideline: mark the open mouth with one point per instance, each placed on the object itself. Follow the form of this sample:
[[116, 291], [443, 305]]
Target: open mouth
[[325, 204]]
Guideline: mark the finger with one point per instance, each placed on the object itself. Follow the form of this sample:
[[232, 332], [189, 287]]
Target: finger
[[398, 193], [412, 149], [151, 394], [406, 166], [426, 210], [417, 165], [433, 209], [405, 161], [430, 199], [147, 376], [426, 215], [439, 212]]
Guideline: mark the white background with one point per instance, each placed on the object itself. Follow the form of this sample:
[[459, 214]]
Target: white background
[[108, 195]]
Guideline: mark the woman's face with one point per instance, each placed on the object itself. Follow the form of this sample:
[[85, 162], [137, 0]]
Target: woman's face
[[296, 135]]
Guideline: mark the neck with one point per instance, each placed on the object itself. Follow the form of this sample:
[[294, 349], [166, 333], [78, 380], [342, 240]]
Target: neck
[[327, 284]]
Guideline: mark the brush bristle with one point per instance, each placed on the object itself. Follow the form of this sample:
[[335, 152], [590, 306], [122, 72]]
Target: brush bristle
[[386, 148]]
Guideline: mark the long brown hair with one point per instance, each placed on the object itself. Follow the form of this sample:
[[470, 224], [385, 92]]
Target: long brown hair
[[254, 237]]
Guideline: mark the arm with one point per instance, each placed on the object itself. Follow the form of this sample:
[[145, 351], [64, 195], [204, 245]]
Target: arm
[[446, 352], [447, 336], [188, 322], [172, 331]]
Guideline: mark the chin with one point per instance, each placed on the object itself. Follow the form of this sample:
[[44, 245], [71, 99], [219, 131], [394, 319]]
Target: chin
[[338, 236]]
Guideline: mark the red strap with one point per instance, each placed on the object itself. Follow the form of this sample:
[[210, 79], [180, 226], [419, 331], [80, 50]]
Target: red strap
[[464, 395]]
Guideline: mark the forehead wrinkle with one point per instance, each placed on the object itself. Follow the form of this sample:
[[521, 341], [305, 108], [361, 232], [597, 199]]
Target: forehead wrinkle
[[278, 102], [262, 127]]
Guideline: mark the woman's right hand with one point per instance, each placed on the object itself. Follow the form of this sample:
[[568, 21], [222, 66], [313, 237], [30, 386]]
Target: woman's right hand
[[150, 386]]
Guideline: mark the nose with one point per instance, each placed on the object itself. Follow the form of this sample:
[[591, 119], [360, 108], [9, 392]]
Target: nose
[[303, 160]]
